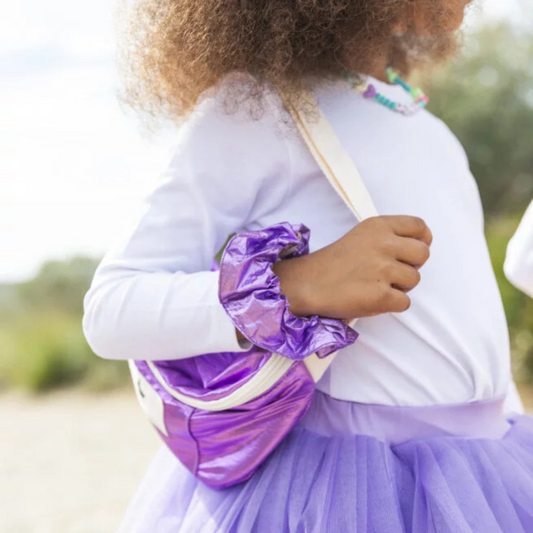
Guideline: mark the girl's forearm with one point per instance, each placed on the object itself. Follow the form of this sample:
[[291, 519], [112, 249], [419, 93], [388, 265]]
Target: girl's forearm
[[157, 316]]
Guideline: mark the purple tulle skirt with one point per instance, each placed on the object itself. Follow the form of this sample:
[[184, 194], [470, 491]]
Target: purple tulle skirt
[[357, 468]]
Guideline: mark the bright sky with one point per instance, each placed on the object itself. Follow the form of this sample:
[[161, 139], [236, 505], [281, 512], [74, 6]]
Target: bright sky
[[73, 165]]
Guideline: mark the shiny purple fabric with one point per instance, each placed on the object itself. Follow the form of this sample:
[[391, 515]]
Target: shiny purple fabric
[[251, 295], [355, 468], [223, 448], [213, 376]]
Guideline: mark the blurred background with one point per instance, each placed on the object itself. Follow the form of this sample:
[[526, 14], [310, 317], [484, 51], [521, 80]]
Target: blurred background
[[74, 166]]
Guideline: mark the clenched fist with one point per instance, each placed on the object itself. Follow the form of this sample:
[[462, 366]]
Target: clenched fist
[[367, 272]]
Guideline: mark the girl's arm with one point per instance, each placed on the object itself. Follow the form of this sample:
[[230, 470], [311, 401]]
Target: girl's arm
[[519, 261], [153, 295]]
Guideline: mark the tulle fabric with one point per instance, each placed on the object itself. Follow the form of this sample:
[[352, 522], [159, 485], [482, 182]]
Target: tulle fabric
[[353, 483]]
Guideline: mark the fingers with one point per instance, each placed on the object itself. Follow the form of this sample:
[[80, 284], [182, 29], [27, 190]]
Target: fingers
[[411, 251], [413, 227], [397, 301], [406, 278]]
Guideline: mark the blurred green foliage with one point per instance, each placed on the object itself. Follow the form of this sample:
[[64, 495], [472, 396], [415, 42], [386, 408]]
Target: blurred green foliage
[[43, 345], [486, 98]]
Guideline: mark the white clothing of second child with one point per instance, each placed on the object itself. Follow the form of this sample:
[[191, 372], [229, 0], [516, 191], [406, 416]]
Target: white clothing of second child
[[154, 297], [519, 259]]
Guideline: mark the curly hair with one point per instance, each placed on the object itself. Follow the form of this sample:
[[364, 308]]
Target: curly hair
[[172, 51]]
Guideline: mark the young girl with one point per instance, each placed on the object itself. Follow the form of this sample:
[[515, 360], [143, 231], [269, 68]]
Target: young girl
[[519, 260], [407, 431]]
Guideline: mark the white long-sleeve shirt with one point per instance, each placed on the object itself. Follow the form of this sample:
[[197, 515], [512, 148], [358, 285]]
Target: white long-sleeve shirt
[[518, 265], [153, 296]]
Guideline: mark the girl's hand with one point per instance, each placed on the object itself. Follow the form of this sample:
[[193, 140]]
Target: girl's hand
[[365, 273]]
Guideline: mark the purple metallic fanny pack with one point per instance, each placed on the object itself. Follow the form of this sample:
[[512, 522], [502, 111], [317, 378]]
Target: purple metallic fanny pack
[[222, 414]]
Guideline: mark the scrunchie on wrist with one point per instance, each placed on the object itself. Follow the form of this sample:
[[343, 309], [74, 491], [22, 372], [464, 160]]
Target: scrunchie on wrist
[[251, 295]]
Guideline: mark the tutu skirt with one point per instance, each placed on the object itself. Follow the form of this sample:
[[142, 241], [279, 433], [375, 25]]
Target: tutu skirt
[[357, 468]]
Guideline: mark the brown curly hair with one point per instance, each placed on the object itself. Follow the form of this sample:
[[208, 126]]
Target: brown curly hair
[[171, 51]]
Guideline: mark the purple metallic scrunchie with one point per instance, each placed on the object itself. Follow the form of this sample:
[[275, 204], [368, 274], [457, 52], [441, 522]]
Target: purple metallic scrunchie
[[250, 293]]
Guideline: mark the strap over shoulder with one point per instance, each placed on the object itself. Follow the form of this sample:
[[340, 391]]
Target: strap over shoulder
[[342, 173], [334, 161]]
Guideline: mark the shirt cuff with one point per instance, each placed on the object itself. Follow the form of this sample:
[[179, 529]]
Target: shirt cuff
[[226, 333]]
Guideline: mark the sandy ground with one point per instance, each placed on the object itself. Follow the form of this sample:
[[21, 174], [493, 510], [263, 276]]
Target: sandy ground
[[70, 461]]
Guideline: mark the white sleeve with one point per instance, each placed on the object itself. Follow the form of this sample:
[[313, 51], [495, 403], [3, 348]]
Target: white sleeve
[[153, 296], [519, 260]]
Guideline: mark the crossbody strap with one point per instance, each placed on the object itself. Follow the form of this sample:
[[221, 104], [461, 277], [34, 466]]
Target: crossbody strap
[[344, 177], [334, 161]]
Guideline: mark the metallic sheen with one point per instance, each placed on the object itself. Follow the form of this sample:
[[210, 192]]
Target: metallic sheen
[[251, 295], [222, 448]]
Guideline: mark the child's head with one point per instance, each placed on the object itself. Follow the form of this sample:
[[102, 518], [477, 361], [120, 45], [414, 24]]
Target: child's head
[[173, 50]]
